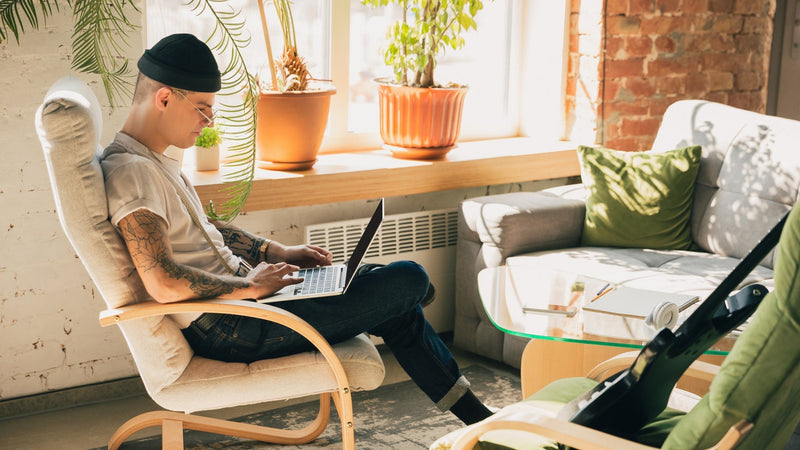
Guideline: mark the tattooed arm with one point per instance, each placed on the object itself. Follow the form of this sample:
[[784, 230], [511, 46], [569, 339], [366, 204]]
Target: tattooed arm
[[248, 246], [167, 281], [243, 243]]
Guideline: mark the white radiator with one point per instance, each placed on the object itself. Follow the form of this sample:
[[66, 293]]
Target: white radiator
[[427, 237]]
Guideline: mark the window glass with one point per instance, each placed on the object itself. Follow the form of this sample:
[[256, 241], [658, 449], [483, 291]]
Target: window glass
[[483, 63]]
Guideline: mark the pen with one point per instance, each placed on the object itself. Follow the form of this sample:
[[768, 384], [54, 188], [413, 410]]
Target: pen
[[603, 289], [606, 291]]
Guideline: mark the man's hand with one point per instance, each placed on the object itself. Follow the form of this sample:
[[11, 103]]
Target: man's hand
[[266, 279], [303, 255]]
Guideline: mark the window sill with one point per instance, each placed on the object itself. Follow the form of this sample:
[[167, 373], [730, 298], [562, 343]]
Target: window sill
[[375, 173]]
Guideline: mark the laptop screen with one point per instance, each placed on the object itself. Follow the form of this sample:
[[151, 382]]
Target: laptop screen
[[363, 244]]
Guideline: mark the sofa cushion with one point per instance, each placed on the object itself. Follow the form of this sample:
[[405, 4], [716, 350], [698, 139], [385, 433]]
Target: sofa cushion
[[679, 271], [749, 172], [639, 199]]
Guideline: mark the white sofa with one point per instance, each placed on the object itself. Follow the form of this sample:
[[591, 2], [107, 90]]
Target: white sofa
[[749, 177]]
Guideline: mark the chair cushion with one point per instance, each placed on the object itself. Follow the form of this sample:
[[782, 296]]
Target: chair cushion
[[69, 126], [760, 379], [639, 199], [233, 384]]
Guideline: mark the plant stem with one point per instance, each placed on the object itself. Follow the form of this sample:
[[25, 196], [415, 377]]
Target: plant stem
[[269, 47], [404, 51]]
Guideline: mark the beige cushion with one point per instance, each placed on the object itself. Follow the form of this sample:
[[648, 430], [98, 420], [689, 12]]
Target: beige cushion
[[231, 384], [69, 127], [749, 171]]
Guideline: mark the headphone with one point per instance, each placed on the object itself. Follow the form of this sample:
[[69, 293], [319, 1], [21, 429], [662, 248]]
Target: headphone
[[664, 315]]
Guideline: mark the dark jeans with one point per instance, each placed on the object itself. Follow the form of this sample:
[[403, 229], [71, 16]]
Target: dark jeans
[[383, 301]]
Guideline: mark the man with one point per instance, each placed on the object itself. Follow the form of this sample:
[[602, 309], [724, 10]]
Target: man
[[181, 255]]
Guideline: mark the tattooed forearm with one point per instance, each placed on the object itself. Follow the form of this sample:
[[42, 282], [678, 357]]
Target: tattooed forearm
[[203, 284], [241, 243]]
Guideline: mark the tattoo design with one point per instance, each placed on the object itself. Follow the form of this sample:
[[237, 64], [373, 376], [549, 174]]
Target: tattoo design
[[145, 234], [241, 242]]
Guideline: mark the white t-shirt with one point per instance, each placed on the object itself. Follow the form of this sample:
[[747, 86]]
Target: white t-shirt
[[136, 178]]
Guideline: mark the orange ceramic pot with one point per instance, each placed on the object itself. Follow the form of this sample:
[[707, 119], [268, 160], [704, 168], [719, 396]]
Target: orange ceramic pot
[[420, 123], [290, 128]]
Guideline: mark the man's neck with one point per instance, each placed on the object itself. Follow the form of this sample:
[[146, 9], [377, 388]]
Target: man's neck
[[139, 126]]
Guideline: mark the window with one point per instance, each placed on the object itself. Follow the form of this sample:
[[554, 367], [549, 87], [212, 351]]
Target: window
[[343, 41]]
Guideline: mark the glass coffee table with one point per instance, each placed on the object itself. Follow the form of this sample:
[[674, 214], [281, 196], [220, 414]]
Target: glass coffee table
[[548, 306]]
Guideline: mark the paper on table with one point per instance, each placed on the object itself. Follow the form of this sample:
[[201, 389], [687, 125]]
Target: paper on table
[[635, 302]]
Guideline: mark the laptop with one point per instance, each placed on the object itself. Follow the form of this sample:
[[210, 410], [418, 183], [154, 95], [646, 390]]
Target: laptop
[[330, 280]]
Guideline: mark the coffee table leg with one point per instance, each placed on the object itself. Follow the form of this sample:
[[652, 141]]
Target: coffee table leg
[[544, 361]]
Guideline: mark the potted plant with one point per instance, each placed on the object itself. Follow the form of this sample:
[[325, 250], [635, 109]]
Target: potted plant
[[419, 117], [206, 149], [292, 109]]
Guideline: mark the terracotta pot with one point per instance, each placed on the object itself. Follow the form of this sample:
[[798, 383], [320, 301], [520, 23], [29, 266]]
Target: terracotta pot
[[420, 123], [290, 128]]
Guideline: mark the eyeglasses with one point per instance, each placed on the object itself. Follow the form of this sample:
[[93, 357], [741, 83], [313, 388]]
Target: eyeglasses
[[209, 120]]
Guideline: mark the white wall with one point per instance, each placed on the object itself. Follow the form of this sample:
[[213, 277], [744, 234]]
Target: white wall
[[50, 338]]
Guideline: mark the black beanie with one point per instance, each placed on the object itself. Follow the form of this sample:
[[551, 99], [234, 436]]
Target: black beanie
[[182, 61]]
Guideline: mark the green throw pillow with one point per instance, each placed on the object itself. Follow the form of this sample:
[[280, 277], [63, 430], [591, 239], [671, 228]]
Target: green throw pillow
[[639, 199]]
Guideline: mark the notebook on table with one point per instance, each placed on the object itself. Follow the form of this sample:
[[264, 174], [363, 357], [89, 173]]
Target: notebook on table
[[330, 280], [634, 302]]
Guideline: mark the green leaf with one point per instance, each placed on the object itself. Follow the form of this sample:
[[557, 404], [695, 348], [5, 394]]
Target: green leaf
[[239, 118], [99, 37], [15, 14]]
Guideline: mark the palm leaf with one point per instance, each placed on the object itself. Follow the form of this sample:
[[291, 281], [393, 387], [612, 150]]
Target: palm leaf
[[99, 37], [239, 118], [14, 14]]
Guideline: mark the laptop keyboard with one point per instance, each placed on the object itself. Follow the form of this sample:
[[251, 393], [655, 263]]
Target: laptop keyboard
[[318, 280]]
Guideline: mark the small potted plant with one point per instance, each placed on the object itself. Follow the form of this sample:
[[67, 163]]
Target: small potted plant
[[206, 148], [292, 110], [419, 117]]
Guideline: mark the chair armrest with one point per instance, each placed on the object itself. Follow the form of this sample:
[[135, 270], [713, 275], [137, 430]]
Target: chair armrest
[[521, 418], [236, 307], [699, 370], [522, 222]]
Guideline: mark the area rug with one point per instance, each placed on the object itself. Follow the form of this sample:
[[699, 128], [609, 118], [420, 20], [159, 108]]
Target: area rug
[[397, 416]]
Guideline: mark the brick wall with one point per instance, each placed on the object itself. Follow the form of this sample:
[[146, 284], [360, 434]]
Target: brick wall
[[643, 55]]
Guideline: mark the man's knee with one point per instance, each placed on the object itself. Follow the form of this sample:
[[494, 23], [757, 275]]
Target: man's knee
[[409, 273]]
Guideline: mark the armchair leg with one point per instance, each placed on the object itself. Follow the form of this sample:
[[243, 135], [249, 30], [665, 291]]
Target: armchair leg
[[344, 407], [173, 424]]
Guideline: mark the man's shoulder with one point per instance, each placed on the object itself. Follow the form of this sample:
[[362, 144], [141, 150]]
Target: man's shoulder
[[116, 156]]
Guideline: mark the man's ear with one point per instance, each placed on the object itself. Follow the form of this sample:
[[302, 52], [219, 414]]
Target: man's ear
[[162, 97]]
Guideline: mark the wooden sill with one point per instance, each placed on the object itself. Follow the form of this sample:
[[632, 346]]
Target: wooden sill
[[375, 173]]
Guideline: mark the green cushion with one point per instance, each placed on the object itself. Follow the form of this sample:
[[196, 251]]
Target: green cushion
[[760, 379], [552, 398], [639, 199]]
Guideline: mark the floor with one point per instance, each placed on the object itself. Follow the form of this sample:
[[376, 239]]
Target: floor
[[90, 425]]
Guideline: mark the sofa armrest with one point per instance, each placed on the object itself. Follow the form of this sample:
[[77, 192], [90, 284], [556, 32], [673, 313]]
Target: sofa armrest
[[521, 222]]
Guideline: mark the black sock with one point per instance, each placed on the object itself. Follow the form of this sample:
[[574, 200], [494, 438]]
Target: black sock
[[469, 409]]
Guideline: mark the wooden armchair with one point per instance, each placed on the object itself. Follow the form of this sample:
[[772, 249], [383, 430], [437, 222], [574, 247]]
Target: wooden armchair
[[530, 417], [69, 127]]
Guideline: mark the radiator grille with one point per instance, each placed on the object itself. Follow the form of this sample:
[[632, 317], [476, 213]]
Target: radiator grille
[[399, 234]]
